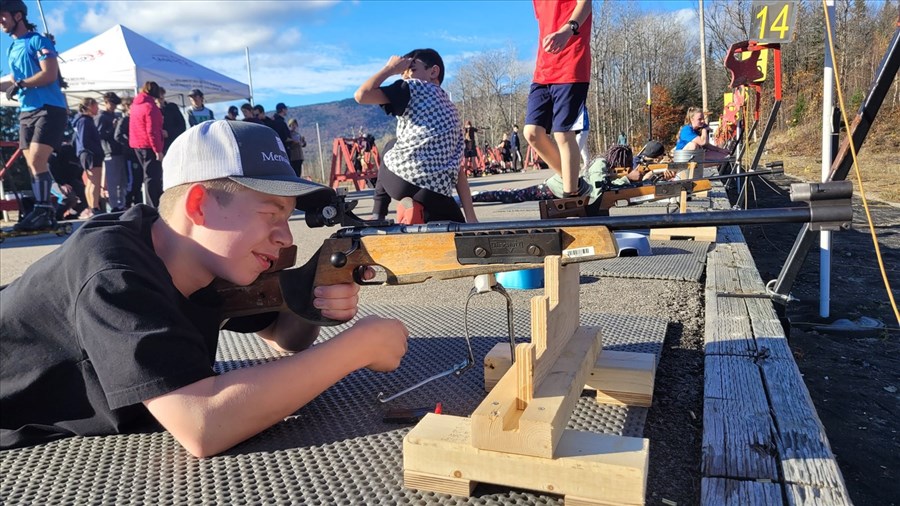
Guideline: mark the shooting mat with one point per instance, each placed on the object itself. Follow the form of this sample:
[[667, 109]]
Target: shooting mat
[[335, 450], [675, 260]]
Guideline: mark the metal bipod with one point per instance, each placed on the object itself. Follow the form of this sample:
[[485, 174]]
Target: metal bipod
[[483, 284]]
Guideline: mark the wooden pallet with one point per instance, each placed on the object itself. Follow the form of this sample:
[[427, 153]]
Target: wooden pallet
[[517, 436]]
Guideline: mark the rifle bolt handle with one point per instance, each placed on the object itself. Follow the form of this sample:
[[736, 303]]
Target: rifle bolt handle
[[338, 259]]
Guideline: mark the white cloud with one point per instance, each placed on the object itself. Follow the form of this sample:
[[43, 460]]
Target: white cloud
[[311, 71], [686, 18], [471, 40], [56, 21], [200, 27]]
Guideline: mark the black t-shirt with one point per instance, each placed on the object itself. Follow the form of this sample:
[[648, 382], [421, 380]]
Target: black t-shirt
[[96, 327]]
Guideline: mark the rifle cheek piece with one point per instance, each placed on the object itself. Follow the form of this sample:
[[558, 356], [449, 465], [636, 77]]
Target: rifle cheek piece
[[830, 206]]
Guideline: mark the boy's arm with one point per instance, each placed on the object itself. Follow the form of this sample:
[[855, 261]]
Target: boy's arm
[[218, 412], [370, 91], [465, 197]]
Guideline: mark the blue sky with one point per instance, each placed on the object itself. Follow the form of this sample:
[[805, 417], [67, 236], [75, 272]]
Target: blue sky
[[308, 51]]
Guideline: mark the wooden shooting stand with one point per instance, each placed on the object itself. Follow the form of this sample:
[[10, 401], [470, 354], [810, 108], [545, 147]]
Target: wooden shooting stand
[[344, 153], [517, 436]]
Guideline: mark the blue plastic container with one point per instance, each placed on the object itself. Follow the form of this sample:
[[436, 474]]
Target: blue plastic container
[[527, 279]]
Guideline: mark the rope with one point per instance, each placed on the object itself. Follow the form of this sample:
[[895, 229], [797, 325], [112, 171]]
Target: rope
[[862, 192]]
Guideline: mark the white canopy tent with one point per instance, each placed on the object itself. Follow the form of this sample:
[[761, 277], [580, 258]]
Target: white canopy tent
[[122, 60]]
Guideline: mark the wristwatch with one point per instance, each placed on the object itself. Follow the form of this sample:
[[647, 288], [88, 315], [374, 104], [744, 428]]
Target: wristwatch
[[574, 25], [20, 84]]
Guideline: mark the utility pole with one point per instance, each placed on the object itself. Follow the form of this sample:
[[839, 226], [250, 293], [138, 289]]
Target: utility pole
[[827, 155], [703, 61], [249, 75], [649, 107], [321, 158]]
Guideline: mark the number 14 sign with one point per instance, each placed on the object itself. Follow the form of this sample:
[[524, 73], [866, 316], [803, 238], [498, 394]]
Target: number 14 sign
[[773, 20]]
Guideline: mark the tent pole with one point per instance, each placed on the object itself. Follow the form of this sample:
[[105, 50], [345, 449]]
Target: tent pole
[[43, 19], [249, 74]]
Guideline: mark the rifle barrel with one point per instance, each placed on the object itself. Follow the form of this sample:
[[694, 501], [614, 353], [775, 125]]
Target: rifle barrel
[[728, 176], [800, 214]]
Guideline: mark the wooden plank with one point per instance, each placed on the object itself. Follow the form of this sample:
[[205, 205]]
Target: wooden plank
[[725, 492], [588, 466], [439, 484], [624, 378], [740, 440], [620, 377], [806, 456], [693, 233], [497, 424], [525, 357], [729, 234], [737, 427], [496, 363], [805, 495], [727, 328]]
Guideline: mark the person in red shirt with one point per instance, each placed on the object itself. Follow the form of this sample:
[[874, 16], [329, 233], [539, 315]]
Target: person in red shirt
[[559, 88]]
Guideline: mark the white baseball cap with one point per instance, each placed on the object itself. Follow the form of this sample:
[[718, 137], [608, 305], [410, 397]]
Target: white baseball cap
[[250, 154]]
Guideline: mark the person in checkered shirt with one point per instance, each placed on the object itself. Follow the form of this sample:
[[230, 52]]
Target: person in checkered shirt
[[424, 163]]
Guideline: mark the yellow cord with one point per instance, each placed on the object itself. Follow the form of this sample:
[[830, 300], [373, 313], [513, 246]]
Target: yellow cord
[[862, 193]]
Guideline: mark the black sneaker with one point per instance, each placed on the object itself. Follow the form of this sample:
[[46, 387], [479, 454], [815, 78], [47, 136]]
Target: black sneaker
[[584, 190], [42, 217]]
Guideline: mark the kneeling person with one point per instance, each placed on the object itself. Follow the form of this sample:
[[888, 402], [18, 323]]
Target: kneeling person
[[424, 163]]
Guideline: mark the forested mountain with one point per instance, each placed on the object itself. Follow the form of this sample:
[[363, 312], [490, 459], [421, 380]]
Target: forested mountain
[[344, 118]]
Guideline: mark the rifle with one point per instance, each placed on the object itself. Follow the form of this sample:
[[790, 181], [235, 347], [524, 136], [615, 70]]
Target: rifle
[[633, 194], [640, 192], [416, 253], [643, 167]]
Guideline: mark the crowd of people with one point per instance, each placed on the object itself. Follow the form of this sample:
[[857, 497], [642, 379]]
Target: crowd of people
[[118, 146]]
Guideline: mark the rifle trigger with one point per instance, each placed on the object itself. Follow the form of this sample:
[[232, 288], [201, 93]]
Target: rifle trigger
[[358, 276]]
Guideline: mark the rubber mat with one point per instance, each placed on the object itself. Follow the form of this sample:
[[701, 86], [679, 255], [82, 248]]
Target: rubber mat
[[335, 450], [675, 260]]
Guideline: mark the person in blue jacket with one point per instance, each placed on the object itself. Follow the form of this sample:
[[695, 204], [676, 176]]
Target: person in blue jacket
[[90, 151]]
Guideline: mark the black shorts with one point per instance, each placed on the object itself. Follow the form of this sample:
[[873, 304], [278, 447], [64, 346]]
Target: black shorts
[[43, 126], [470, 151], [88, 161]]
